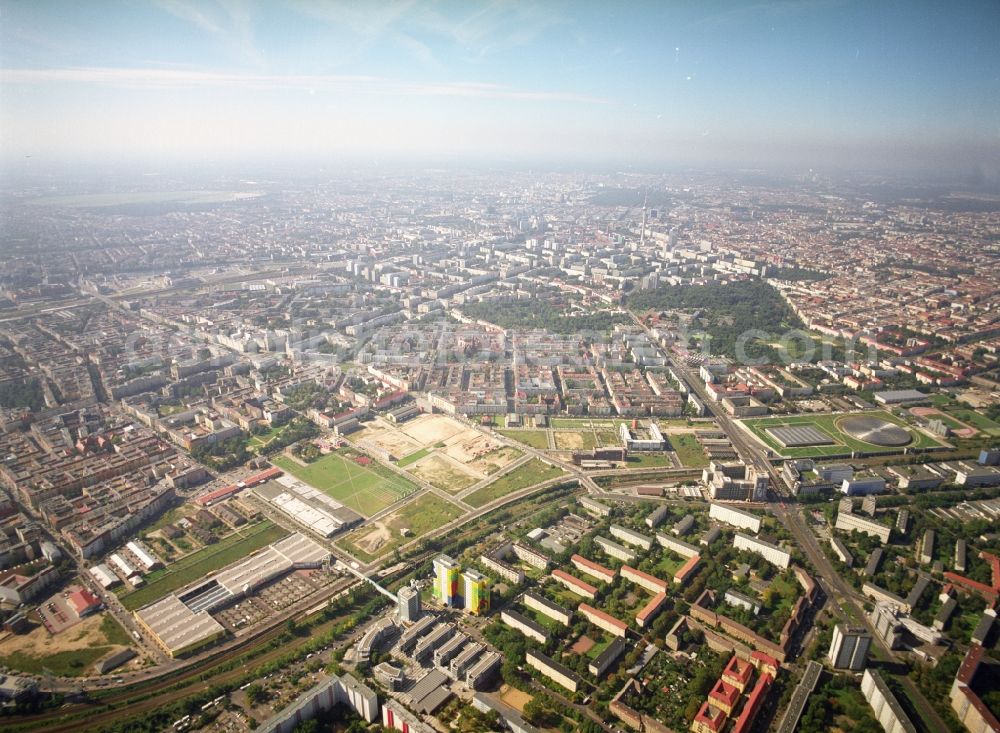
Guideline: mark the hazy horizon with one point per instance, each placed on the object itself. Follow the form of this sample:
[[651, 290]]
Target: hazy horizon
[[778, 85]]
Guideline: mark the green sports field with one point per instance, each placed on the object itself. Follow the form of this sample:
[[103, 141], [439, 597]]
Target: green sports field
[[531, 473], [843, 443], [977, 420], [365, 489]]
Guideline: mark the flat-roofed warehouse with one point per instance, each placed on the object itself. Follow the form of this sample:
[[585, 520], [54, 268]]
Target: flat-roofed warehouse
[[177, 628], [430, 692], [308, 506], [181, 622], [799, 436]]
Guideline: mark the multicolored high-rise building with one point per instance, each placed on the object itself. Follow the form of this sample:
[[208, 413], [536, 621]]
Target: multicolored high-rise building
[[446, 588], [477, 592]]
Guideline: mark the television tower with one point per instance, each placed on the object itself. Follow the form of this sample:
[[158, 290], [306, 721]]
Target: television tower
[[642, 236]]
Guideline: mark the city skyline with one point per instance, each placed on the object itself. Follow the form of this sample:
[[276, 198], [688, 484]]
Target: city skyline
[[780, 84]]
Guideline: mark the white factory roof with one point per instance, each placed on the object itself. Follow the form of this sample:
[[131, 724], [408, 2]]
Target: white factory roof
[[141, 555], [176, 625], [274, 560], [179, 625], [103, 575], [122, 564]]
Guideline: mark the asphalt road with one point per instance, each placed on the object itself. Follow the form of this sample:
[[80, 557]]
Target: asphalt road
[[847, 605]]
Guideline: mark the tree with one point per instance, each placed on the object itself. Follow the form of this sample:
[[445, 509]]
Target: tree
[[255, 694], [542, 711]]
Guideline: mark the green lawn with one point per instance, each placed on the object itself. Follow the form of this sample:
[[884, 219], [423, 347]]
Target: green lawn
[[540, 618], [532, 438], [531, 473], [950, 420], [114, 632], [61, 664], [668, 564], [689, 450], [200, 564], [828, 424], [412, 458], [599, 646], [74, 662], [978, 421], [420, 516], [365, 489], [608, 438], [583, 422], [256, 442], [648, 460]]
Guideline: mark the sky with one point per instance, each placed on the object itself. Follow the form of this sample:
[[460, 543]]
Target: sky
[[803, 84]]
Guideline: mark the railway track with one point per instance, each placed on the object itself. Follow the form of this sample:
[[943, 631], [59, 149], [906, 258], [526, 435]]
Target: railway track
[[69, 718]]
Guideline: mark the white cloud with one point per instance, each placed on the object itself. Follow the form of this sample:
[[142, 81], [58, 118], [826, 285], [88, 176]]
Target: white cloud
[[228, 21], [190, 13], [153, 79]]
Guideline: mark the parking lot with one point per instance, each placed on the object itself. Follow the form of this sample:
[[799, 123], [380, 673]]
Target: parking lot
[[273, 599], [56, 614]]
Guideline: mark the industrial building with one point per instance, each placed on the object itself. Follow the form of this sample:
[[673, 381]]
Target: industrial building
[[180, 623], [103, 575], [313, 509]]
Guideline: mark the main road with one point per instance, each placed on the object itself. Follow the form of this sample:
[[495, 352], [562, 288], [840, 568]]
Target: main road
[[847, 603]]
